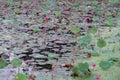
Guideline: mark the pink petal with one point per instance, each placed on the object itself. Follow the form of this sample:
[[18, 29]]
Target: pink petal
[[9, 55], [93, 65], [87, 19], [97, 77], [26, 62]]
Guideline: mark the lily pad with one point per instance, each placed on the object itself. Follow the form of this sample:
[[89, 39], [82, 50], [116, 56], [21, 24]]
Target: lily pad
[[3, 63], [94, 30], [52, 55], [83, 67], [35, 29], [105, 65], [101, 43], [16, 62], [21, 76], [75, 30], [57, 13]]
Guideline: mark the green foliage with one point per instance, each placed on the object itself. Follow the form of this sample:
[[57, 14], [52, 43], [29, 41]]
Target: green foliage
[[95, 3], [35, 29], [110, 21], [16, 62], [57, 13], [114, 1], [21, 76], [75, 30], [101, 43], [111, 1], [48, 4], [3, 63], [83, 67], [94, 53], [40, 21], [83, 44], [34, 12], [93, 30], [52, 55], [105, 65], [15, 21], [95, 18], [10, 1], [82, 70], [16, 10], [113, 59], [86, 38]]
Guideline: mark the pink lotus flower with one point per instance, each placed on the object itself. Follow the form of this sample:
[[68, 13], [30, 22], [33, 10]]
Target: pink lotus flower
[[46, 18], [26, 61], [9, 55], [94, 65], [87, 19], [97, 77]]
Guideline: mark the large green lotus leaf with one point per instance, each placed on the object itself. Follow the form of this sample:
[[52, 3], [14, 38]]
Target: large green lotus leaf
[[16, 62], [86, 38], [94, 30], [57, 13], [40, 78], [83, 67], [75, 30], [35, 29], [21, 76], [3, 63], [101, 43], [105, 65]]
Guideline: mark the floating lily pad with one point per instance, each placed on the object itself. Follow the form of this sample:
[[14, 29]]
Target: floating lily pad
[[75, 30], [101, 43], [16, 62], [57, 13], [105, 65], [3, 63], [94, 30], [21, 76]]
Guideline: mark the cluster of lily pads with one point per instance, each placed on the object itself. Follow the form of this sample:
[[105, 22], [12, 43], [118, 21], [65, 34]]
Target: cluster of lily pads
[[81, 70]]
